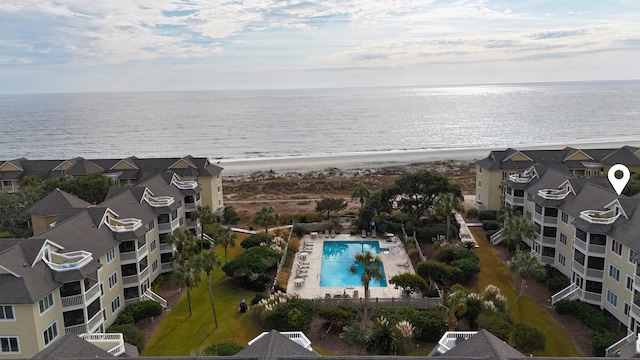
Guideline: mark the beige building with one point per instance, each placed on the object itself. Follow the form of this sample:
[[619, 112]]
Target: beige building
[[87, 262]]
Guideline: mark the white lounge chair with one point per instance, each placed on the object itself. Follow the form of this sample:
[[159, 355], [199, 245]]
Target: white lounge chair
[[364, 233], [302, 275], [333, 233], [326, 233]]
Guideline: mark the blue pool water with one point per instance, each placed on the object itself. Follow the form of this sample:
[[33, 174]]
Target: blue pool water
[[338, 257]]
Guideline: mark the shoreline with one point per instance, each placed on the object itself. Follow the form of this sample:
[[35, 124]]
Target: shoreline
[[387, 159]]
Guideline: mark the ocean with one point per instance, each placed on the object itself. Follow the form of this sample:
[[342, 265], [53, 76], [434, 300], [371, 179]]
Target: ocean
[[263, 124]]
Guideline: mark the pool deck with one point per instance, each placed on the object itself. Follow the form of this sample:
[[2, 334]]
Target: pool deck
[[395, 262]]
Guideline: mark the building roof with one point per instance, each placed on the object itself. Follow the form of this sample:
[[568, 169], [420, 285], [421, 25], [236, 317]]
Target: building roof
[[56, 202], [71, 347], [275, 346], [483, 345]]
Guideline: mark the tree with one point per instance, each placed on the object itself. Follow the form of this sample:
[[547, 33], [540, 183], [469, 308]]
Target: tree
[[362, 193], [414, 194], [230, 216], [456, 307], [409, 283], [187, 273], [204, 215], [330, 204], [370, 271], [525, 265], [92, 188], [183, 240], [506, 212], [446, 204], [516, 228], [265, 217], [207, 261], [528, 339], [222, 235]]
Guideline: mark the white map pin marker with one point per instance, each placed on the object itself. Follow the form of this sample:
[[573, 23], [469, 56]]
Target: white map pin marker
[[619, 184]]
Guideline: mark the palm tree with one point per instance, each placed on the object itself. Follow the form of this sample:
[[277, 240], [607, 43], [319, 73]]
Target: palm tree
[[208, 260], [204, 215], [446, 204], [265, 217], [222, 235], [183, 239], [506, 212], [362, 193], [456, 307], [371, 271], [515, 228], [187, 274], [525, 265]]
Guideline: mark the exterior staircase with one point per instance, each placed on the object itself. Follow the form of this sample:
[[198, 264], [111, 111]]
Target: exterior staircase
[[207, 237], [571, 292], [496, 238], [155, 297]]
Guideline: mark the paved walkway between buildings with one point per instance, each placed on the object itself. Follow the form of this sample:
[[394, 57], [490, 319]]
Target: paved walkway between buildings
[[465, 234]]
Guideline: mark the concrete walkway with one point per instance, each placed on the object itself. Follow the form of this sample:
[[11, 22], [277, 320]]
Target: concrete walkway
[[465, 234]]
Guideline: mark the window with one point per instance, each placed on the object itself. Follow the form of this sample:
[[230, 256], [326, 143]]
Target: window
[[152, 224], [529, 197], [629, 283], [528, 215], [627, 309], [614, 272], [220, 188], [45, 303], [153, 245], [480, 169], [113, 280], [562, 259], [616, 247], [563, 238], [6, 313], [564, 217], [9, 344], [154, 266], [612, 298], [50, 333], [632, 256], [111, 254], [115, 304]]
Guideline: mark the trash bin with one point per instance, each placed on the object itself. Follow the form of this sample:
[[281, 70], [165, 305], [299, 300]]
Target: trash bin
[[243, 306]]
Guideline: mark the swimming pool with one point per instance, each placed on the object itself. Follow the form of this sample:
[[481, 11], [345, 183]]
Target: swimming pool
[[337, 258]]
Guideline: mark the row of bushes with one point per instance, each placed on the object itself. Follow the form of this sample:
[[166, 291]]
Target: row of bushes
[[131, 314], [250, 270], [602, 337], [523, 337]]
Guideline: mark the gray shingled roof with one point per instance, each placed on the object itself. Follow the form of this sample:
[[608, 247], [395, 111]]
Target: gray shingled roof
[[56, 202], [71, 347], [83, 167], [274, 345], [483, 345]]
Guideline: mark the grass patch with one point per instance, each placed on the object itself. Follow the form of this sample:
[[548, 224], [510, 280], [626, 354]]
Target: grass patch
[[494, 271], [180, 335]]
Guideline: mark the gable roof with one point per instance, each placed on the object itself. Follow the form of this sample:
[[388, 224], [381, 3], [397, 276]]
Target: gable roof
[[483, 345], [55, 202], [274, 345], [84, 167], [71, 346]]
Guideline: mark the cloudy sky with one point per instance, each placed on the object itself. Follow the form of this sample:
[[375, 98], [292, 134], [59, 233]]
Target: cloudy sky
[[149, 45]]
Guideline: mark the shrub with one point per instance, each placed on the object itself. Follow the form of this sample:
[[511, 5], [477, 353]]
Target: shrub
[[257, 297], [601, 340], [489, 233], [432, 292], [138, 311], [449, 254], [409, 283], [131, 334], [527, 339], [486, 215], [299, 231], [468, 267], [474, 308], [490, 225], [588, 314], [566, 307], [124, 318], [294, 314], [340, 315], [230, 216], [496, 325], [430, 324], [250, 269], [439, 272], [254, 240], [222, 349], [557, 283]]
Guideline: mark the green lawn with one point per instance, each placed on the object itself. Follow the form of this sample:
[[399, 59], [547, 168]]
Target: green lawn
[[179, 334], [494, 271]]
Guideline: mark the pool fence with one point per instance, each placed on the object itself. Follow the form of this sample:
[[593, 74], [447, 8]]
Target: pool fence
[[415, 303]]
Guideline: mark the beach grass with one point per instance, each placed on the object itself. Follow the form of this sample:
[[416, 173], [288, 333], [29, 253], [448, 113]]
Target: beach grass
[[181, 335], [494, 271]]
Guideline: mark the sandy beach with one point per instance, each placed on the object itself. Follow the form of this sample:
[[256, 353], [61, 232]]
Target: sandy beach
[[386, 159]]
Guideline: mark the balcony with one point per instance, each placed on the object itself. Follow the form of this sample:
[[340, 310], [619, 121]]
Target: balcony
[[124, 225], [159, 201], [547, 240], [184, 184], [451, 338], [190, 207], [76, 329], [591, 248], [136, 279], [134, 255], [166, 267], [599, 217], [95, 322], [514, 200], [519, 178], [549, 260], [68, 261], [82, 299], [9, 186], [111, 343], [553, 194], [592, 298], [577, 267], [595, 273], [128, 302], [169, 227], [166, 247]]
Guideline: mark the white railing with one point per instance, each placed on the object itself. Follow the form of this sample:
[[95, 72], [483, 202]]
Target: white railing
[[517, 178], [76, 329], [580, 244], [599, 217], [550, 260], [570, 292], [128, 302], [190, 207], [164, 267], [595, 273], [126, 280], [207, 237], [74, 300], [142, 251], [184, 184], [95, 321], [131, 255], [68, 261], [297, 336], [597, 298], [514, 200], [549, 240], [577, 267], [553, 194], [124, 225], [106, 342], [537, 217], [448, 340], [144, 273], [92, 293], [496, 238], [159, 201], [614, 349], [155, 297]]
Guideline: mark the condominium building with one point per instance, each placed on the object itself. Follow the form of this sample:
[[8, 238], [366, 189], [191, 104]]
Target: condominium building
[[87, 262], [493, 171], [586, 231]]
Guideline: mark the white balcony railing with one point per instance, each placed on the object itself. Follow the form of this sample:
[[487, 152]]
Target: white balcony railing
[[553, 194], [68, 261], [159, 201], [165, 267], [92, 293], [95, 321], [155, 297], [76, 329], [113, 343], [184, 184], [164, 247], [518, 178], [124, 225], [599, 217]]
